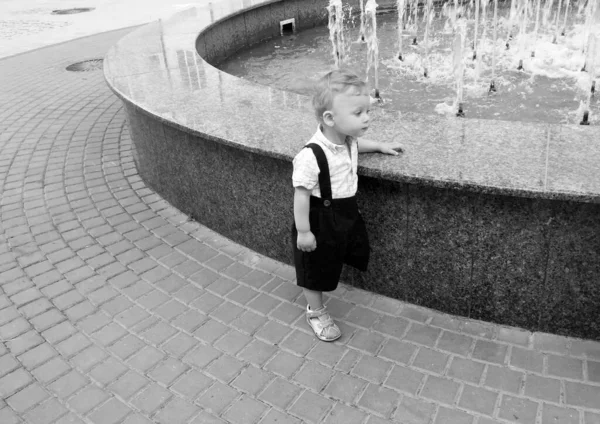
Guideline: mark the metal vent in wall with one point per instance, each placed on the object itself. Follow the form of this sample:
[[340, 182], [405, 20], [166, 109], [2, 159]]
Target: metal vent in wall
[[287, 27], [86, 65]]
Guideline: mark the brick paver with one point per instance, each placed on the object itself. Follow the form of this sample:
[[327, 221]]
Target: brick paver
[[115, 308]]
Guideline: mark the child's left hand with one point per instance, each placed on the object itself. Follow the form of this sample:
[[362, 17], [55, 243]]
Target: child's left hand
[[394, 148]]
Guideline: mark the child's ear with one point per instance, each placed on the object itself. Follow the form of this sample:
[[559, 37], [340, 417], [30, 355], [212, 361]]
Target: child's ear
[[328, 118]]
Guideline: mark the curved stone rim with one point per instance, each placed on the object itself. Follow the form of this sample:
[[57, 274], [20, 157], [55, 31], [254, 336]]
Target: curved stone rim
[[545, 171]]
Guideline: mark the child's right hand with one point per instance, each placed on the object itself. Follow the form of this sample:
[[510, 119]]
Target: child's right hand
[[306, 241]]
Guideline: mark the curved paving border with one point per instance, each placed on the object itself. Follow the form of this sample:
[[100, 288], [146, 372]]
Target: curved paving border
[[114, 308]]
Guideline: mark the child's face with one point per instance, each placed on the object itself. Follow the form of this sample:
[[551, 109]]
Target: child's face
[[350, 113]]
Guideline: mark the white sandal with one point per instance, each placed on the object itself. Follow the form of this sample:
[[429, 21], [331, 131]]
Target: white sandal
[[322, 324]]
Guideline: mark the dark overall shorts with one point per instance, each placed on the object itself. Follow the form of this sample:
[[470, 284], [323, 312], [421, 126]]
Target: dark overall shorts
[[340, 232]]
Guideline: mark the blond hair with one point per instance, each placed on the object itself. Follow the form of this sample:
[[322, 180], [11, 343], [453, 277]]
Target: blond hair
[[332, 83]]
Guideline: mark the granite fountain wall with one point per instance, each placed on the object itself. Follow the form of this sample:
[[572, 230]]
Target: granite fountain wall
[[477, 218]]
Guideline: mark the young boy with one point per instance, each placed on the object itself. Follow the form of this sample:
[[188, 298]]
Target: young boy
[[328, 229]]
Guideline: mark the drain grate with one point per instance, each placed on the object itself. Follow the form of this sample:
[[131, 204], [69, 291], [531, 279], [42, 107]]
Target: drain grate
[[86, 65], [72, 11]]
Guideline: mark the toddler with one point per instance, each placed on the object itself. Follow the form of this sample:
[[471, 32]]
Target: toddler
[[328, 229]]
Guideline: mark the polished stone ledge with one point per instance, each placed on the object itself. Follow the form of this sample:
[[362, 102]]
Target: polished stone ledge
[[493, 220], [158, 69]]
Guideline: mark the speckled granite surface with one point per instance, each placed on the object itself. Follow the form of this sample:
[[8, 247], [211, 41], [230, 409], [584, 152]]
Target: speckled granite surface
[[489, 219], [532, 263]]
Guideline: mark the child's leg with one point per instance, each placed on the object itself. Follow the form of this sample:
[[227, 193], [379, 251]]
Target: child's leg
[[314, 299], [318, 318]]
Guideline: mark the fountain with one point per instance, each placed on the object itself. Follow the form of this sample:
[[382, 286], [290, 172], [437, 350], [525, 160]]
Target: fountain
[[510, 22], [372, 43], [459, 72], [415, 21], [486, 216], [547, 61], [428, 16], [475, 31], [564, 27], [482, 41], [537, 26], [362, 20], [336, 31], [556, 24], [492, 88], [401, 9], [591, 17], [591, 58]]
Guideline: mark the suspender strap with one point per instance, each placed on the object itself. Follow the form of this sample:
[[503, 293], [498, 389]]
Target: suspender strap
[[324, 178]]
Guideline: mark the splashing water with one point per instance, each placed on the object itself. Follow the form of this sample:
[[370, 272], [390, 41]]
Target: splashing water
[[564, 26], [479, 57], [591, 18], [336, 31], [428, 17], [476, 30], [400, 5], [556, 24], [459, 67], [494, 47], [361, 32], [550, 79], [511, 21], [415, 20], [589, 83], [537, 26], [372, 43], [546, 12]]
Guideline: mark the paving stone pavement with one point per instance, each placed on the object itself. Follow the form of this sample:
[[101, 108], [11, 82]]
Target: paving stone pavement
[[115, 308]]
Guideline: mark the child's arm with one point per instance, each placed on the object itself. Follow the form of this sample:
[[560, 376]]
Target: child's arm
[[368, 146], [306, 240]]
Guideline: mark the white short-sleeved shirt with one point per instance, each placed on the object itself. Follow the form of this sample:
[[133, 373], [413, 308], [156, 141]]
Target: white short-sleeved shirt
[[342, 160]]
